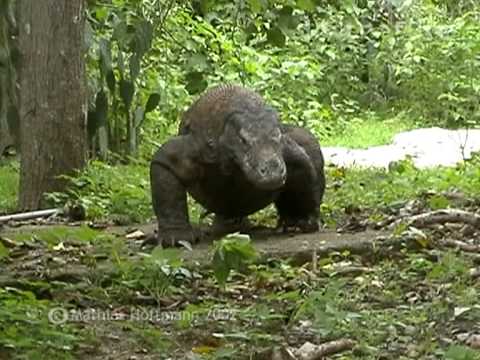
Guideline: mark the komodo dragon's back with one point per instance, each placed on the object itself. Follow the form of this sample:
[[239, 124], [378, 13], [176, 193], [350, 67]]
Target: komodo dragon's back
[[206, 117]]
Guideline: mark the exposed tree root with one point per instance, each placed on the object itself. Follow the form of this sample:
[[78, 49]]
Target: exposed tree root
[[377, 246], [307, 351], [318, 352], [471, 248], [440, 217]]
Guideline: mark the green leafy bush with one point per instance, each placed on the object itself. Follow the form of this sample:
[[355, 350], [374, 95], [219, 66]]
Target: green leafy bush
[[233, 252], [25, 330], [9, 175], [121, 191]]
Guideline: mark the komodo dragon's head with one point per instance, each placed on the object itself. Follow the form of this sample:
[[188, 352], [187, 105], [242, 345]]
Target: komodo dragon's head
[[253, 140]]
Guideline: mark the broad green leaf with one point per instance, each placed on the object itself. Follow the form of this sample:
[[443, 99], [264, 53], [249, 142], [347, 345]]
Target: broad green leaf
[[196, 82], [110, 78], [349, 6], [91, 124], [206, 6], [152, 102], [251, 30], [220, 269], [143, 37], [169, 255], [101, 13], [101, 108], [276, 37], [121, 34], [121, 64], [97, 120], [127, 89], [286, 10], [105, 56], [438, 202], [139, 116], [135, 65], [232, 253], [307, 5], [287, 22], [197, 62], [255, 5], [458, 352], [3, 251]]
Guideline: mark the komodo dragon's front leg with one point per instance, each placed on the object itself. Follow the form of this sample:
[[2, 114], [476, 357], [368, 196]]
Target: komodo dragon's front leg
[[171, 170]]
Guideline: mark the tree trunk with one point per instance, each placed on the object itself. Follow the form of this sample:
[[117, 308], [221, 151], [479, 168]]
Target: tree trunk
[[53, 105], [8, 94]]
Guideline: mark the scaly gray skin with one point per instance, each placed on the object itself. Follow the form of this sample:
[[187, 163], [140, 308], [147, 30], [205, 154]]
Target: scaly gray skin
[[234, 157]]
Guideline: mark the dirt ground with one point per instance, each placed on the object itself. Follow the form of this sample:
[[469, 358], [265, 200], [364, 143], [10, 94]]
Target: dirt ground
[[34, 263], [268, 242], [271, 244]]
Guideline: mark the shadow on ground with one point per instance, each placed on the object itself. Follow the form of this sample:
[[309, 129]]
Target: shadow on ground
[[271, 244]]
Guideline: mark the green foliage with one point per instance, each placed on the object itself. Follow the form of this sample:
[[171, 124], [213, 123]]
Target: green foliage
[[353, 72], [154, 274], [449, 267], [3, 251], [121, 192], [54, 235], [325, 309], [25, 331], [9, 175], [326, 66], [378, 190], [369, 131], [456, 352], [153, 338], [233, 252], [434, 62], [123, 39]]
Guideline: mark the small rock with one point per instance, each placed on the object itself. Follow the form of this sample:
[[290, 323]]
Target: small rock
[[306, 350], [474, 341], [136, 235], [463, 337], [460, 310]]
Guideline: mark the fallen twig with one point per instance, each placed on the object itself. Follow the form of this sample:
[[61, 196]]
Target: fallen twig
[[471, 248], [317, 352], [351, 270], [440, 217], [376, 246], [7, 242], [28, 215]]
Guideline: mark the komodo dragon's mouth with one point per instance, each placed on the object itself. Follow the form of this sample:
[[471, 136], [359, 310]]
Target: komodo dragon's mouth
[[268, 175]]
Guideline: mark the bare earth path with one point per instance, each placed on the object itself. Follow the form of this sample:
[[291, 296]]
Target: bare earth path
[[269, 243], [428, 148]]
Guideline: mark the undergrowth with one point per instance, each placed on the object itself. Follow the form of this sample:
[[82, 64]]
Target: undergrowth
[[122, 192], [361, 133], [377, 189], [8, 187], [106, 191], [25, 330]]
